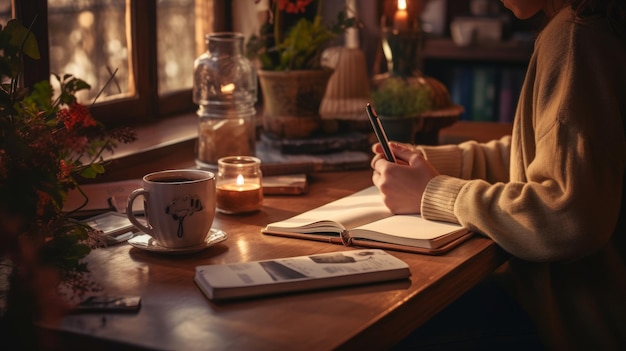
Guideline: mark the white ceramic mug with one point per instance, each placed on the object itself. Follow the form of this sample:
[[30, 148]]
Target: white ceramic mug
[[179, 206], [463, 32]]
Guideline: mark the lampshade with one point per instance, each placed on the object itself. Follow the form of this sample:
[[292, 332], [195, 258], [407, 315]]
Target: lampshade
[[348, 89]]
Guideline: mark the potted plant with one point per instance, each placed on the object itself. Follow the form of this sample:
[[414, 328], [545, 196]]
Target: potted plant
[[48, 140], [287, 52], [400, 102]]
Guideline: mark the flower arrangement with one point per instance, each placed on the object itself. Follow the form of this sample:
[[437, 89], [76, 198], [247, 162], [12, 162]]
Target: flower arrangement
[[294, 35], [47, 142]]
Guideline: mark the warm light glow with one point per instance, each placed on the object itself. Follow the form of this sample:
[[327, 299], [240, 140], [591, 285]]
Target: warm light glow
[[239, 197], [228, 88], [401, 17]]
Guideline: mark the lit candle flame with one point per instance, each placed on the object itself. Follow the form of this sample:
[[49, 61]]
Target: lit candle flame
[[401, 17], [240, 180], [228, 88]]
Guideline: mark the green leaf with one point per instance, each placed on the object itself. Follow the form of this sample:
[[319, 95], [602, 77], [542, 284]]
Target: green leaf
[[41, 95], [92, 171], [22, 37]]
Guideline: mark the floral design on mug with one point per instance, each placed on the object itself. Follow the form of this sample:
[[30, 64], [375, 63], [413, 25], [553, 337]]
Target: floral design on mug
[[180, 208]]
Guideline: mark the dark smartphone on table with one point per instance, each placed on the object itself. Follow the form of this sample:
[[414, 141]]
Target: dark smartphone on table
[[380, 133], [107, 303]]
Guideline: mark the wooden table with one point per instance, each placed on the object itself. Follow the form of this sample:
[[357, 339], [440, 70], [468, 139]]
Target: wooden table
[[175, 315]]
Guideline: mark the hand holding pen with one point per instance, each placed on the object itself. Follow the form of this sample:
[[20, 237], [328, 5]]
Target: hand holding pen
[[380, 133], [402, 179]]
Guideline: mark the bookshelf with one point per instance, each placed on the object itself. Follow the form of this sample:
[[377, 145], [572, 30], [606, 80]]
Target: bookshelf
[[484, 79], [504, 52]]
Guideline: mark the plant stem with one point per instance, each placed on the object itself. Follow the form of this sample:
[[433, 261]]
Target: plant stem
[[318, 14], [111, 76], [277, 24]]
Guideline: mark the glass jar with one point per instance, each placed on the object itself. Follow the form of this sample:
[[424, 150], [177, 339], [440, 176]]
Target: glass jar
[[225, 89], [239, 184]]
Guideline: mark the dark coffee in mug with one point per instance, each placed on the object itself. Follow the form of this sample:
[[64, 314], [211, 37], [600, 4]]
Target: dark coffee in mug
[[173, 180]]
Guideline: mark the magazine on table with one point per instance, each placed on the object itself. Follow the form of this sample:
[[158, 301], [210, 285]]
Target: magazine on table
[[245, 279]]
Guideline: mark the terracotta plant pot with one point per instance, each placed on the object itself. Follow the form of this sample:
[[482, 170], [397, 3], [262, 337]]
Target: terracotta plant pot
[[402, 129], [291, 101]]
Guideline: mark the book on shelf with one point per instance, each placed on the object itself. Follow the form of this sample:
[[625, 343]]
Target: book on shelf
[[511, 81], [506, 104], [483, 98], [312, 272], [461, 87], [362, 219]]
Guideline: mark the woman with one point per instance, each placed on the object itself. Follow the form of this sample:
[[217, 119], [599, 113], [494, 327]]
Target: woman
[[552, 193]]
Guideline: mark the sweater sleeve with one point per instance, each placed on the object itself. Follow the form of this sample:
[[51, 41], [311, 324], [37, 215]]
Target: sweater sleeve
[[568, 155], [471, 160]]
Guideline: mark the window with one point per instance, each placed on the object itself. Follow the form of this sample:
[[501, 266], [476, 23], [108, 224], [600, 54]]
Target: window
[[150, 44], [175, 50], [5, 12], [89, 41]]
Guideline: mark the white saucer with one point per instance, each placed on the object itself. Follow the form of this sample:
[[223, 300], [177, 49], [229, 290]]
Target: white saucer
[[146, 242]]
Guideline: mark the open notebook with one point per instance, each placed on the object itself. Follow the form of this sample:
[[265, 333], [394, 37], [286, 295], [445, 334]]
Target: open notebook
[[362, 219]]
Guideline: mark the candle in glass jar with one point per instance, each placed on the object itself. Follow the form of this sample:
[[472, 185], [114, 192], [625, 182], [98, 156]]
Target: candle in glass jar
[[239, 197], [401, 17]]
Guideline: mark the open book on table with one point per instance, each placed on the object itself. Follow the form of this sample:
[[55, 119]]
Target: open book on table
[[362, 219], [237, 280]]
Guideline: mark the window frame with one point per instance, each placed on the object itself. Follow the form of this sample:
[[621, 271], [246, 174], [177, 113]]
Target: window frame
[[146, 105]]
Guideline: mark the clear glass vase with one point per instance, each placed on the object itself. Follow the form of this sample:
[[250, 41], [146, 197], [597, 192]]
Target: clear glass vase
[[225, 89]]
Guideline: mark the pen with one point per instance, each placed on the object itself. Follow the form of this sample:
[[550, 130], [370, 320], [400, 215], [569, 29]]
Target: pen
[[380, 133]]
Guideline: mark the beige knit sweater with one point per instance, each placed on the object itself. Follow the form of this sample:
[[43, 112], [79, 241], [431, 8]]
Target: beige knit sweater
[[552, 193]]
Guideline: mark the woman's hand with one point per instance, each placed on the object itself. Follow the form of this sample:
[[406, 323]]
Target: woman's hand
[[401, 184]]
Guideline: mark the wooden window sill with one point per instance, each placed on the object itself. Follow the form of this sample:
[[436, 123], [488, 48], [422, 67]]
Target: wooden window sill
[[165, 144]]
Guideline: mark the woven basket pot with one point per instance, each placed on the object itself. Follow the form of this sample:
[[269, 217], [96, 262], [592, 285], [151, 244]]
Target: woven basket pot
[[291, 101]]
